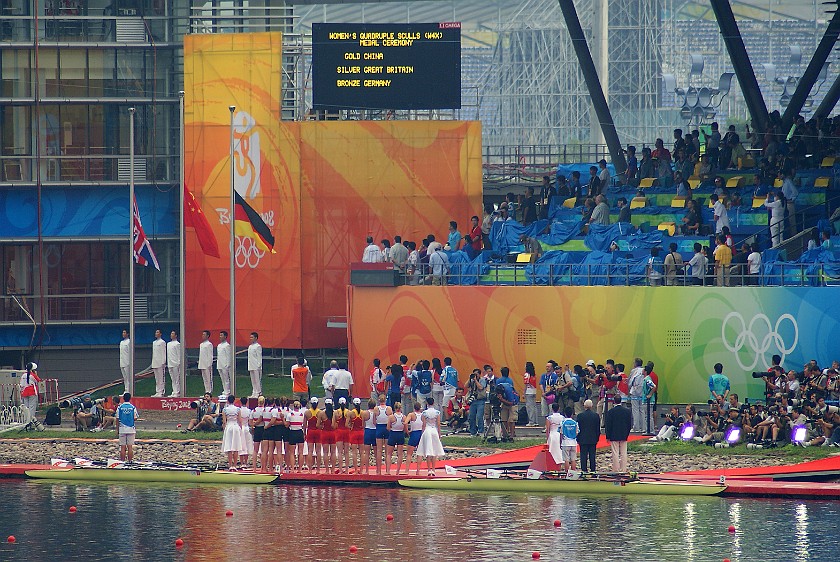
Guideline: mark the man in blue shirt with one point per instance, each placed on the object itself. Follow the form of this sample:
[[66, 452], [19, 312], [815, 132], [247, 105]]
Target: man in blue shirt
[[422, 386], [126, 416], [509, 407], [718, 384], [454, 238]]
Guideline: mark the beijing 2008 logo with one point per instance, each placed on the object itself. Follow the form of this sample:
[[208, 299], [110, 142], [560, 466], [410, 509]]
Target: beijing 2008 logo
[[760, 346]]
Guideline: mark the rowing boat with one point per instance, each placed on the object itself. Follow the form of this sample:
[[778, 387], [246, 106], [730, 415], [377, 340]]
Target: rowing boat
[[561, 486], [145, 474]]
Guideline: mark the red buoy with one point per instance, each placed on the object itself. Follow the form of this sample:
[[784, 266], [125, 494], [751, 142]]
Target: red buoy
[[353, 549], [179, 543], [535, 555], [72, 509], [726, 560], [228, 513], [732, 528], [11, 539], [389, 517], [557, 523]]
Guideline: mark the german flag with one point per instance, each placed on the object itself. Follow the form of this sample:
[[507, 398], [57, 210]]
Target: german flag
[[249, 223]]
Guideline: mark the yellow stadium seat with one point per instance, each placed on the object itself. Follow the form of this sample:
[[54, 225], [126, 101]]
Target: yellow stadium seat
[[777, 183], [746, 162], [757, 202], [570, 203], [638, 202], [821, 182], [693, 183], [678, 202], [735, 181], [668, 227], [646, 182], [827, 162], [524, 258]]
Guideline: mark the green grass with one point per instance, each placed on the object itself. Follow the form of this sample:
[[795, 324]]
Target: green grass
[[53, 434], [468, 442], [272, 386], [785, 455]]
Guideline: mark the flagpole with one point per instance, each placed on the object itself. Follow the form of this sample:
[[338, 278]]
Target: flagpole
[[182, 252], [232, 108], [130, 388]]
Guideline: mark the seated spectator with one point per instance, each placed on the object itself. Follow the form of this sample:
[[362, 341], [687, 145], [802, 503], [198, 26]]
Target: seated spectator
[[206, 413], [826, 241], [457, 411], [109, 418], [706, 170], [683, 189], [692, 219], [759, 186], [532, 246], [673, 265]]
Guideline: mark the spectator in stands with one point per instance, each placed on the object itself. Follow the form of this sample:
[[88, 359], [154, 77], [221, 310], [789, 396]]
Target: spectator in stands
[[673, 265], [475, 235], [487, 225], [692, 146], [826, 241], [439, 265], [532, 246], [754, 266], [691, 220], [588, 208], [603, 175], [454, 238], [594, 186], [623, 210], [713, 145], [562, 187], [698, 264], [719, 212], [432, 246], [705, 172], [683, 189], [664, 173], [723, 258], [372, 254], [601, 212], [759, 187], [646, 166], [529, 207], [575, 187], [739, 265], [719, 187], [791, 193], [412, 264], [660, 151], [398, 254], [729, 240], [655, 266], [683, 164], [775, 203], [679, 141], [632, 167], [547, 193], [737, 151]]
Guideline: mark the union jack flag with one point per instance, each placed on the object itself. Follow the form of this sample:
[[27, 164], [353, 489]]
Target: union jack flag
[[143, 252]]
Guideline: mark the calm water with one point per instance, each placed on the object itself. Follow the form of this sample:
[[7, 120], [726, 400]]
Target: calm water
[[141, 522]]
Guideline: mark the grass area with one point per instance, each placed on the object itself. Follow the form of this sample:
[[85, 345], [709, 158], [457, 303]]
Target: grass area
[[786, 455], [272, 386], [53, 434], [467, 442]]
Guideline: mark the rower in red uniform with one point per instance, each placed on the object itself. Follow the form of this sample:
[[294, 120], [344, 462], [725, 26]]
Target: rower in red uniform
[[342, 436], [356, 420], [327, 427], [313, 436]]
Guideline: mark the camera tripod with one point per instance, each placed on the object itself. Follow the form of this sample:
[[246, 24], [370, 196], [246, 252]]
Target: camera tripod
[[495, 422]]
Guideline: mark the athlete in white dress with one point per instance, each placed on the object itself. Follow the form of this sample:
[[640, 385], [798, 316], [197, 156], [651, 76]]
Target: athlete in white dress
[[232, 437], [246, 452], [415, 431], [430, 446], [552, 430]]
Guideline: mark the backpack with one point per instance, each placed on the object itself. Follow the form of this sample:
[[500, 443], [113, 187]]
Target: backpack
[[378, 380], [53, 416], [424, 383], [510, 393]]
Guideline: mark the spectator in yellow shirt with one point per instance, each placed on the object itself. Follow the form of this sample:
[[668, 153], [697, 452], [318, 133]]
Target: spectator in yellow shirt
[[723, 257]]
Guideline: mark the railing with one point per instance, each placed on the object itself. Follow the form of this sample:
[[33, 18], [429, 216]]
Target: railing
[[77, 307], [69, 28], [531, 162], [88, 168], [559, 275]]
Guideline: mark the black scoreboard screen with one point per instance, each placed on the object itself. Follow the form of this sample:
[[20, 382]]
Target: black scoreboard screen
[[386, 66]]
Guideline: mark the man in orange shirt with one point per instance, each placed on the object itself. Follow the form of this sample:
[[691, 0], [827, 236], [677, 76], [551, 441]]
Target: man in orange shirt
[[301, 377], [723, 257]]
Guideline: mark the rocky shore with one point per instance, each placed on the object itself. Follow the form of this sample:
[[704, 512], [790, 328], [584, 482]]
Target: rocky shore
[[40, 451]]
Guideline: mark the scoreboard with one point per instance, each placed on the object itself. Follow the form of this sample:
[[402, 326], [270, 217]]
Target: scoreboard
[[386, 66]]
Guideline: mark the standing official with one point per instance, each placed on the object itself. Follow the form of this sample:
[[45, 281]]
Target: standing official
[[224, 360], [343, 383], [127, 415], [173, 362], [125, 360], [301, 377], [255, 365], [590, 432], [617, 424], [159, 364], [29, 393], [205, 361]]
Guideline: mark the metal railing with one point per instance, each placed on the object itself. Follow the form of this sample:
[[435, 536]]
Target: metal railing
[[77, 307], [70, 28], [88, 168]]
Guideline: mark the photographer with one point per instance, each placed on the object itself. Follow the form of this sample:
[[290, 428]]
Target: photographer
[[206, 413], [489, 379], [476, 398], [456, 410], [750, 420], [563, 388], [83, 414], [821, 430], [714, 423], [723, 425], [672, 421], [509, 400], [548, 380], [109, 414]]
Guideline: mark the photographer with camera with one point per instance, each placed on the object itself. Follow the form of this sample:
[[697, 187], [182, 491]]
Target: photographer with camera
[[722, 426], [714, 423], [83, 414], [206, 413], [509, 399], [476, 398], [563, 389], [673, 420], [548, 380], [457, 411], [489, 378], [109, 414]]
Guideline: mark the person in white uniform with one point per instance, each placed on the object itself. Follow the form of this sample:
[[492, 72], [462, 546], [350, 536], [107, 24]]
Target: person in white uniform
[[552, 430], [159, 364], [224, 356], [125, 360], [246, 449], [205, 361], [232, 436], [173, 363], [430, 446], [255, 365]]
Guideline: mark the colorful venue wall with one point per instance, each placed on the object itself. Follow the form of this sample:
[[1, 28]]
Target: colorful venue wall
[[684, 331], [322, 187]]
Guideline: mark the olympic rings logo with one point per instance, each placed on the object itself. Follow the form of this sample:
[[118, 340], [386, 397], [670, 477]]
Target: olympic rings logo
[[247, 253], [746, 338]]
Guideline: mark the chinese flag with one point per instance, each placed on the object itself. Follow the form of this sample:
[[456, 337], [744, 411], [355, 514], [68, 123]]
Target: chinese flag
[[194, 217]]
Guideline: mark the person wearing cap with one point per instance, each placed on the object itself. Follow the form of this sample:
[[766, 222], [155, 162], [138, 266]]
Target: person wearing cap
[[439, 266], [29, 392], [125, 359], [127, 415]]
